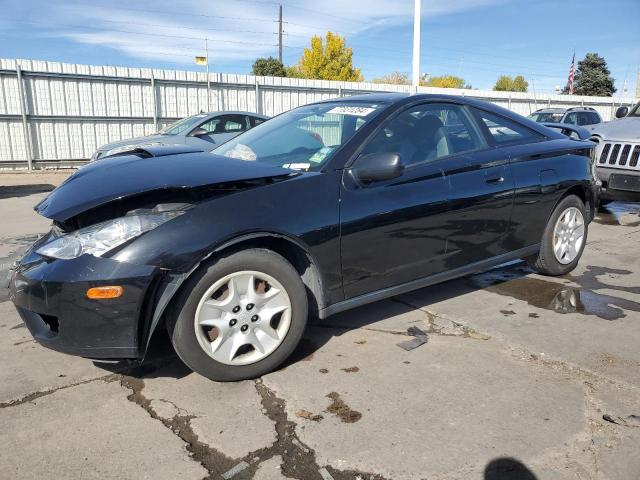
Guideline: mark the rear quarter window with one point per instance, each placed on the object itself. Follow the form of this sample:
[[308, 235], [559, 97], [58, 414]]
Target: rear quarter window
[[503, 131]]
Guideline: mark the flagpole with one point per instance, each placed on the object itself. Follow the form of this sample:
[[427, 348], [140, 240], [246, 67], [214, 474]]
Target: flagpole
[[415, 67], [206, 48]]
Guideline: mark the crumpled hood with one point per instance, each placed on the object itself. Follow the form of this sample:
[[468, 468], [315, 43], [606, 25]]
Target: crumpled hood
[[149, 139], [118, 177], [625, 129]]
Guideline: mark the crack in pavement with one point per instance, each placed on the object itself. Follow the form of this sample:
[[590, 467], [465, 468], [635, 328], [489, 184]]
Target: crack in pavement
[[43, 393], [216, 463], [298, 459], [456, 329], [106, 378]]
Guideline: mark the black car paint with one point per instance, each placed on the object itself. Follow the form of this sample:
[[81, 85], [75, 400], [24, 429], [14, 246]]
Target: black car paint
[[99, 183], [447, 218]]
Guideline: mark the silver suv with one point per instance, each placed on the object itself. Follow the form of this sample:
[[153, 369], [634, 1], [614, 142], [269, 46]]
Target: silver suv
[[575, 116], [618, 155]]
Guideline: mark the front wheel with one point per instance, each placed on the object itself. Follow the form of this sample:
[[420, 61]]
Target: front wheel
[[239, 317], [563, 240]]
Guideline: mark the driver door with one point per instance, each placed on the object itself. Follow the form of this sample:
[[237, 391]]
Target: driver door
[[395, 231]]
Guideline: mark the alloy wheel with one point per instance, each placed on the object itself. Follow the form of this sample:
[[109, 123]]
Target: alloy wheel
[[568, 235]]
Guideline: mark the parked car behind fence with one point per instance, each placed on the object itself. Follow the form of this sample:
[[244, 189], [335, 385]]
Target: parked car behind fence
[[205, 131]]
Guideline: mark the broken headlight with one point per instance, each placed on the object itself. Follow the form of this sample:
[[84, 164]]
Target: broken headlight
[[100, 238]]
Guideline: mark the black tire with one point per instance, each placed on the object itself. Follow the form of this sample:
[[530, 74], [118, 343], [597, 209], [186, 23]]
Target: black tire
[[545, 261], [180, 322]]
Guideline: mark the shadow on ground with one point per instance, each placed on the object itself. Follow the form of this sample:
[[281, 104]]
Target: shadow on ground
[[507, 469]]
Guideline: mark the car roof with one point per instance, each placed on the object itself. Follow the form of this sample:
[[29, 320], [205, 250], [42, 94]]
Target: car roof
[[566, 110], [400, 99], [551, 110], [232, 112]]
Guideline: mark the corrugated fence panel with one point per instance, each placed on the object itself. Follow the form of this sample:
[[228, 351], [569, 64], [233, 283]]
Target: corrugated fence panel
[[72, 109]]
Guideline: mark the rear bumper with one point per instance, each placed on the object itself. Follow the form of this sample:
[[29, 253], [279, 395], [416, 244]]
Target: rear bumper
[[50, 296], [619, 184]]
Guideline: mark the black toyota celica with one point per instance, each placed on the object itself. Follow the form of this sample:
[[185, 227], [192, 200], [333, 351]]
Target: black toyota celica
[[324, 208]]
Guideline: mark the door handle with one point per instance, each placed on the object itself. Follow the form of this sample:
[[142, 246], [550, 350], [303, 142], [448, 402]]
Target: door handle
[[493, 180]]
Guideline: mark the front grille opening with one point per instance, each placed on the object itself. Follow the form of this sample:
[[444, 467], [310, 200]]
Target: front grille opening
[[614, 154], [605, 152], [634, 156], [624, 155], [51, 322]]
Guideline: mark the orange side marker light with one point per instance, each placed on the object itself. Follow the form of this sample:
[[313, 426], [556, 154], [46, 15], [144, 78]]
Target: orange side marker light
[[102, 293]]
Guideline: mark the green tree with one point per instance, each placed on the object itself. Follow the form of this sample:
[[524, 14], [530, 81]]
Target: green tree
[[293, 71], [507, 84], [393, 78], [592, 77], [268, 67], [445, 81], [331, 61]]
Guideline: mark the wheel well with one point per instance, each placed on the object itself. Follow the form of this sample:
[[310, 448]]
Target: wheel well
[[581, 192], [296, 255]]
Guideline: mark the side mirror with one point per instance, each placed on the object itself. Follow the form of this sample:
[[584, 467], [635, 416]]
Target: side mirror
[[376, 167], [199, 132], [622, 112]]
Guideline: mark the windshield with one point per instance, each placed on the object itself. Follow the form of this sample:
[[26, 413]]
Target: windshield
[[635, 111], [553, 117], [182, 126], [304, 138]]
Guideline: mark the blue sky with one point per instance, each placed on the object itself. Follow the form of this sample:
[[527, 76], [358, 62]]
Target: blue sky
[[476, 39]]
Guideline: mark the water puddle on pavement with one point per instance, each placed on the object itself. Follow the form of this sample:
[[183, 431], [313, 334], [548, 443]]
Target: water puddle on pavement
[[619, 213], [562, 298]]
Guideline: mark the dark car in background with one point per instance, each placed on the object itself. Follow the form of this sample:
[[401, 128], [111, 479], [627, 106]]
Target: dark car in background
[[580, 116], [321, 209], [205, 131]]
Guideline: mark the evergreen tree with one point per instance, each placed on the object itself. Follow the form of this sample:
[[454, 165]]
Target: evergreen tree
[[592, 77]]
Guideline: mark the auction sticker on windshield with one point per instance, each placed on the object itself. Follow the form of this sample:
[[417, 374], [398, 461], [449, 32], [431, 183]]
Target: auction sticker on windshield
[[358, 111]]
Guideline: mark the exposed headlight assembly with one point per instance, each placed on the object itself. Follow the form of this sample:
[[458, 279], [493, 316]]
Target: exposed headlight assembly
[[102, 237]]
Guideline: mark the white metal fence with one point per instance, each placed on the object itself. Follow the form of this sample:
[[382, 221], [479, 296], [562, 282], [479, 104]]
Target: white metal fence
[[59, 113]]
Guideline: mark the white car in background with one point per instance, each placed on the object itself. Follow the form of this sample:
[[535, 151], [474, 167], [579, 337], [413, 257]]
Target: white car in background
[[618, 155], [204, 130]]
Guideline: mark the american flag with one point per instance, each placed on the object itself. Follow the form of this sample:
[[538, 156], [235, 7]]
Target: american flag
[[572, 71]]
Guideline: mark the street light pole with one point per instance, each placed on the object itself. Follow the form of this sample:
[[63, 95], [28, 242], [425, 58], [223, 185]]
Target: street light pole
[[416, 43]]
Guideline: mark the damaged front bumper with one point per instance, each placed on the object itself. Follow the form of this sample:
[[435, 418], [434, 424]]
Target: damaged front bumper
[[51, 298]]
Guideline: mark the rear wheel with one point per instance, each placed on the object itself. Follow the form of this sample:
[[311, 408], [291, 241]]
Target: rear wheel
[[563, 240], [240, 317]]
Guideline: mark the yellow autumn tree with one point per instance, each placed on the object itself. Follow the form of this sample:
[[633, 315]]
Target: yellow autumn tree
[[331, 61], [446, 81]]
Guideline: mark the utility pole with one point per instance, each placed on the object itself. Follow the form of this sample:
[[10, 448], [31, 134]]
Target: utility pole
[[206, 48], [280, 33], [416, 43]]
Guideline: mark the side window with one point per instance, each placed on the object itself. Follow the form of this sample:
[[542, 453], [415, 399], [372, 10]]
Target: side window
[[504, 131], [427, 132], [211, 125], [571, 118], [226, 124], [584, 118], [255, 121], [595, 118]]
